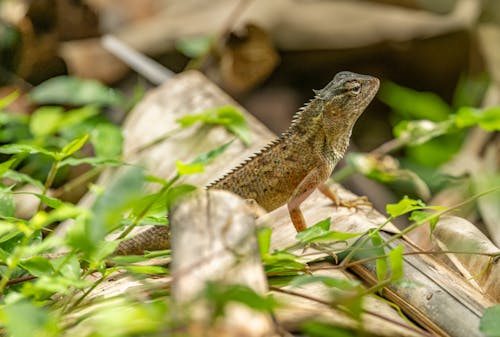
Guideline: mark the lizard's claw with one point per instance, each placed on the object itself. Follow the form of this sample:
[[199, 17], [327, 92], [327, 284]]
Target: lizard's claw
[[353, 203]]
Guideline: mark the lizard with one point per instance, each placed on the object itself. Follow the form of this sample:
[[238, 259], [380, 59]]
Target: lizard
[[301, 159]]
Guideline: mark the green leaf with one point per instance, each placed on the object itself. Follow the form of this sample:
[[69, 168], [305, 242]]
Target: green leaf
[[5, 166], [321, 329], [45, 120], [18, 324], [421, 131], [93, 161], [185, 169], [207, 157], [149, 270], [219, 295], [37, 265], [77, 116], [423, 217], [194, 46], [404, 206], [227, 116], [107, 140], [315, 231], [488, 119], [490, 321], [7, 206], [68, 90], [23, 178], [378, 248], [176, 192], [411, 104], [24, 149], [49, 201], [280, 262], [328, 281], [396, 262], [264, 239], [73, 146], [108, 209], [6, 100]]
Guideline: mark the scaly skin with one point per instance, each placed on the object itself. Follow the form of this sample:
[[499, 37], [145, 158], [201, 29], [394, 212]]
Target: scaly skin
[[291, 167]]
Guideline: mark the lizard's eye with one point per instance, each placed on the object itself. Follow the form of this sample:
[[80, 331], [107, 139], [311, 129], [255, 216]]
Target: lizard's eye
[[354, 88]]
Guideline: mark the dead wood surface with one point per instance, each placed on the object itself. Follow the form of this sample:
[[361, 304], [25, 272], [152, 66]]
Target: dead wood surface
[[213, 239], [190, 92]]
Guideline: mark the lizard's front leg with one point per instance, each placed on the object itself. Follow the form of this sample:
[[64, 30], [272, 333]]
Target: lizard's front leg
[[311, 181]]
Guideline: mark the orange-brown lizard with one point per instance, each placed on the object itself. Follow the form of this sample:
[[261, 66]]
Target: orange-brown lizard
[[291, 167]]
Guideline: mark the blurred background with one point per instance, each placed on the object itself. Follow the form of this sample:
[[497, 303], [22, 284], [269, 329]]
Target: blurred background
[[433, 57]]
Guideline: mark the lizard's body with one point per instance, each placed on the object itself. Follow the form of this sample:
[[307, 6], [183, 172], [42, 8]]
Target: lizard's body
[[290, 168]]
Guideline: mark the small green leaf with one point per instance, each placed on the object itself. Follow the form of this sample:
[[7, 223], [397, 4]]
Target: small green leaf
[[227, 116], [49, 201], [380, 263], [45, 120], [264, 239], [194, 46], [411, 104], [24, 149], [18, 325], [315, 231], [185, 169], [421, 131], [37, 266], [219, 295], [73, 146], [68, 90], [207, 157], [6, 100], [23, 178], [488, 119], [404, 206], [176, 192], [7, 206], [282, 262], [396, 262], [490, 321], [149, 270], [5, 166], [107, 140], [77, 116], [93, 161], [321, 329], [328, 281]]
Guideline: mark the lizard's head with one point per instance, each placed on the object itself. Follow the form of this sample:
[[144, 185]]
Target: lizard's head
[[347, 95]]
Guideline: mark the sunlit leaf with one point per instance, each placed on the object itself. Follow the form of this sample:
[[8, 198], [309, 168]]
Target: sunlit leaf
[[321, 329], [315, 231], [93, 161], [37, 265], [227, 116], [25, 149], [7, 206], [107, 140], [404, 206], [264, 239], [149, 270], [176, 192], [331, 282], [6, 100], [23, 178], [18, 324], [488, 119], [45, 120], [75, 91], [73, 146], [186, 169], [412, 104], [421, 131], [207, 157], [380, 263], [396, 262]]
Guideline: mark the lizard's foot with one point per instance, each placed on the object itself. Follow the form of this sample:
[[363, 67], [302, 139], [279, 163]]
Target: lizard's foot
[[352, 203]]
